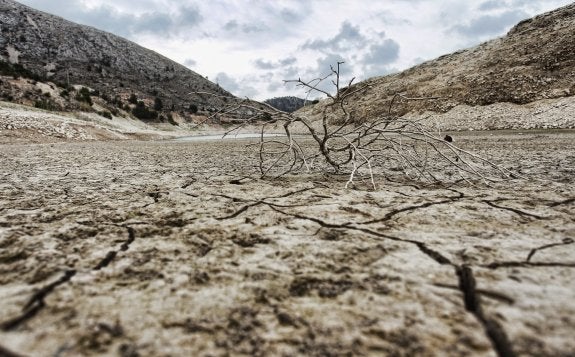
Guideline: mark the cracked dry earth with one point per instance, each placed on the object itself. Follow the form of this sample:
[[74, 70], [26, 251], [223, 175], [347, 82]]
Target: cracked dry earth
[[175, 248]]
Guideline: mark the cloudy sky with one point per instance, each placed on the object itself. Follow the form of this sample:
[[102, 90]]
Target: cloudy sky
[[250, 46]]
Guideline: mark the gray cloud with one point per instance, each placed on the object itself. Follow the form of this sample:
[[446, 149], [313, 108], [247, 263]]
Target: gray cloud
[[288, 61], [274, 87], [491, 5], [227, 82], [364, 55], [349, 36], [235, 86], [385, 53], [293, 12], [489, 24], [390, 18], [376, 71], [260, 63], [418, 60], [289, 73], [523, 3], [102, 17], [275, 80], [231, 25], [189, 16], [325, 63], [107, 18], [291, 16], [323, 69], [190, 62], [234, 26], [155, 22]]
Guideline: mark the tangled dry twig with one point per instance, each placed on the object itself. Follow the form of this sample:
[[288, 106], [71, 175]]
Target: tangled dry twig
[[344, 143]]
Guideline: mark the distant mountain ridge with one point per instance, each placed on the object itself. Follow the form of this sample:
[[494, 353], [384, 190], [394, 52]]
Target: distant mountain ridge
[[72, 54], [287, 104]]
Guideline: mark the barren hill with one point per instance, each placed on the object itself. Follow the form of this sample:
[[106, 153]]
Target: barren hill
[[70, 54], [535, 61]]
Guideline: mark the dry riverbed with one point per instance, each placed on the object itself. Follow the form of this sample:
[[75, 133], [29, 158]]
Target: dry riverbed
[[176, 248]]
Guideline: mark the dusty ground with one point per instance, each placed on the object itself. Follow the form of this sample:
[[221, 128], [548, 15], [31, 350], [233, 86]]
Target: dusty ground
[[174, 248]]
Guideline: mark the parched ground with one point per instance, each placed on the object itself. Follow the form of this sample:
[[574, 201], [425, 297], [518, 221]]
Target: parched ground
[[176, 248]]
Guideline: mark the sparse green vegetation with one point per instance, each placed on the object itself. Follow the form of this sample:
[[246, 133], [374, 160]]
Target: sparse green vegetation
[[7, 97], [286, 104], [17, 70], [142, 112], [266, 117], [171, 120], [133, 99], [84, 96], [45, 104], [106, 61], [105, 114], [158, 105]]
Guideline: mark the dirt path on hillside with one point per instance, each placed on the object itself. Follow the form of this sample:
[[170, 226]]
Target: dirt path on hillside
[[174, 248]]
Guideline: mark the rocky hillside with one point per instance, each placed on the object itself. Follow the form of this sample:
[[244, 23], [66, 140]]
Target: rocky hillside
[[535, 61], [71, 55]]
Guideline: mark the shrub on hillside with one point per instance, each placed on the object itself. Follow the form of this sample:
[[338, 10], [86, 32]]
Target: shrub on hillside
[[142, 112], [106, 114], [84, 96], [17, 70], [133, 99], [158, 105], [171, 120], [45, 104]]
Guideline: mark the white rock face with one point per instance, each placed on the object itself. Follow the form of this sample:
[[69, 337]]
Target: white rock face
[[13, 54]]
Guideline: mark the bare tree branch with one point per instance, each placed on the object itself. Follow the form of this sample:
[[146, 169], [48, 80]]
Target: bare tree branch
[[346, 143]]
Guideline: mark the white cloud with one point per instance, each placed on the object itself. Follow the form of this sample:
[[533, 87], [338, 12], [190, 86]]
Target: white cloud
[[250, 47]]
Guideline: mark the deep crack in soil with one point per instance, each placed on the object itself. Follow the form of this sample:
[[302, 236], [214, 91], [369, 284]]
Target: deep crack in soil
[[36, 302], [472, 300]]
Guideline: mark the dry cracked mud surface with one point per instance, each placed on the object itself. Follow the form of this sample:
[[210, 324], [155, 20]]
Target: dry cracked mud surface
[[177, 248]]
